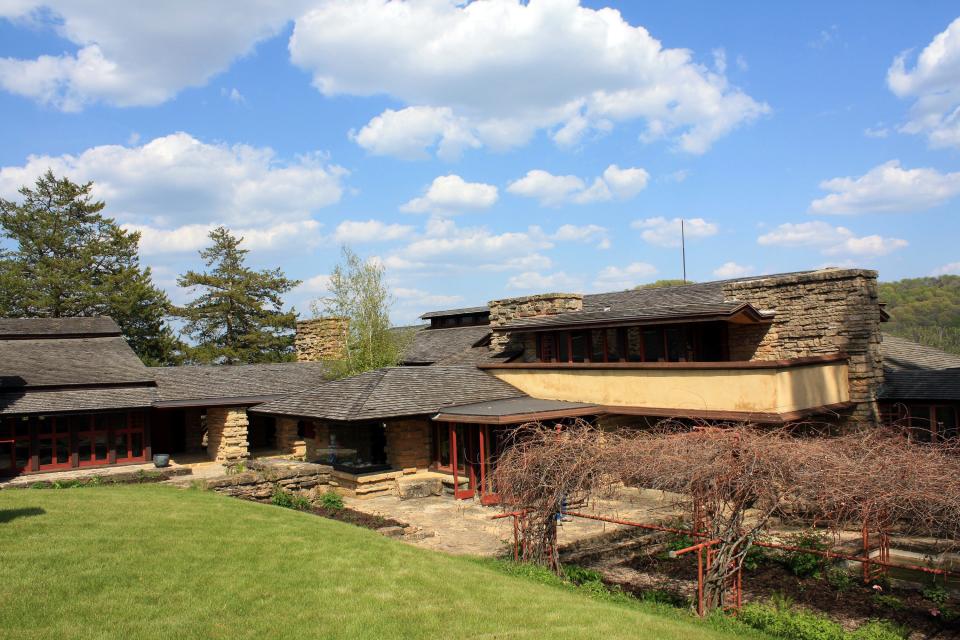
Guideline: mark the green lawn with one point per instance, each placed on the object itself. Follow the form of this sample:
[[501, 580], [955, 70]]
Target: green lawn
[[155, 561]]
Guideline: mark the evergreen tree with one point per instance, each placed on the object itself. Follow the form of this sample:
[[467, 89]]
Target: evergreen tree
[[238, 316], [71, 260], [359, 294]]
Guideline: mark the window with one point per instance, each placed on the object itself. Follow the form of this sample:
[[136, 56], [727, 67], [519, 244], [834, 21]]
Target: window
[[360, 448], [672, 343], [931, 423]]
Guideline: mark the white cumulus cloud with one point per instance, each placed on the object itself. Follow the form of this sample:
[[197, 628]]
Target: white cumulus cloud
[[175, 188], [494, 73], [951, 268], [887, 188], [732, 270], [362, 231], [589, 233], [452, 194], [830, 240], [135, 53], [615, 278], [553, 190], [665, 232], [934, 84], [534, 281]]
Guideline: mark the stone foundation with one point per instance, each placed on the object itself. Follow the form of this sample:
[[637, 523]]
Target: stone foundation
[[825, 312], [259, 480], [321, 339], [227, 434]]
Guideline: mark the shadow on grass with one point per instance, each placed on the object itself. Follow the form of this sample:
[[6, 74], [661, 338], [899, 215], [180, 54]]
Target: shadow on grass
[[7, 515]]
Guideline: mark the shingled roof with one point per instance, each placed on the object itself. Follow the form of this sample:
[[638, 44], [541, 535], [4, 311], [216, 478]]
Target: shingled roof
[[914, 371], [626, 313], [903, 354], [392, 392], [431, 346], [53, 365], [217, 384]]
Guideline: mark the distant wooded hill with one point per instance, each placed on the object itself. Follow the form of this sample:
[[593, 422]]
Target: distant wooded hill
[[926, 310]]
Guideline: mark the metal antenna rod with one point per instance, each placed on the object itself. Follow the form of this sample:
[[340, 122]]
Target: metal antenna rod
[[683, 251]]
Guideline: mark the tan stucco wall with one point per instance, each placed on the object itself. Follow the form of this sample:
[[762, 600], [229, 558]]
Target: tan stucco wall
[[775, 390]]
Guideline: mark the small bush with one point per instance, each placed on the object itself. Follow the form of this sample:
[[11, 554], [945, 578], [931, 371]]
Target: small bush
[[789, 623], [840, 579], [283, 498], [677, 542], [889, 602], [331, 500], [877, 630], [936, 594], [234, 469], [756, 557], [802, 564]]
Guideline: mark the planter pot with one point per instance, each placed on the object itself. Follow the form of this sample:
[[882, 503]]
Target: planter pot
[[161, 460]]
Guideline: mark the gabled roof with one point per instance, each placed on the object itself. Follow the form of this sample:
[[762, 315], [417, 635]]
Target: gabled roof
[[392, 392], [218, 384], [903, 354], [52, 365], [431, 346], [515, 411], [21, 328]]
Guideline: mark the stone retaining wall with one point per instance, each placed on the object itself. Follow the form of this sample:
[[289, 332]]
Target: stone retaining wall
[[288, 442], [262, 476]]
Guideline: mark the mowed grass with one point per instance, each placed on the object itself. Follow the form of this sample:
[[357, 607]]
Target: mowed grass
[[160, 562]]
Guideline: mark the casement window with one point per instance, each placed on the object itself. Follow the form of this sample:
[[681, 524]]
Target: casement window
[[705, 342], [47, 443], [931, 422]]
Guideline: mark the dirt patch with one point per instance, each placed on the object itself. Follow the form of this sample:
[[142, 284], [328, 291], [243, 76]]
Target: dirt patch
[[358, 518]]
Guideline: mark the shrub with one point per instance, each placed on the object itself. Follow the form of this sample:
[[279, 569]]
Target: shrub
[[840, 579], [889, 602], [283, 498], [331, 500], [878, 630], [803, 564], [756, 556], [936, 594], [234, 469], [678, 541], [789, 623]]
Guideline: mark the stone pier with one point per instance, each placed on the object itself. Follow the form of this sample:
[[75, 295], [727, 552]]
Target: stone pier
[[227, 434]]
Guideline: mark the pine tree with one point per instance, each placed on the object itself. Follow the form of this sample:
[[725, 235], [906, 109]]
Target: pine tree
[[71, 260], [238, 316]]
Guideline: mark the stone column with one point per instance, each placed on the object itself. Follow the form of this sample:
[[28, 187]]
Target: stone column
[[288, 442], [318, 446], [193, 424], [227, 434], [408, 443]]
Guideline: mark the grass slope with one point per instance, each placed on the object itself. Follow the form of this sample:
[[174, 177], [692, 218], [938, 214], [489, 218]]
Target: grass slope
[[154, 561]]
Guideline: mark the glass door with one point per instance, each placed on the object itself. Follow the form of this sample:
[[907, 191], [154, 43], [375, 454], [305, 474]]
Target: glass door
[[53, 442]]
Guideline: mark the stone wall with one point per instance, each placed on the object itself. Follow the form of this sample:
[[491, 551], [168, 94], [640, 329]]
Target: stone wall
[[824, 312], [262, 476], [503, 311], [227, 434], [318, 445], [288, 442], [408, 443], [321, 339]]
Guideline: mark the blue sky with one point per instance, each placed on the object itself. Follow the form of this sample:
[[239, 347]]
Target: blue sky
[[499, 148]]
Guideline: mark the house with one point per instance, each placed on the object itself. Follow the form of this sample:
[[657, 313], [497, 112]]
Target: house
[[769, 349]]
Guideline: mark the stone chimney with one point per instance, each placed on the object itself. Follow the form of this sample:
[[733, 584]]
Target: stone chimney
[[503, 311], [321, 339]]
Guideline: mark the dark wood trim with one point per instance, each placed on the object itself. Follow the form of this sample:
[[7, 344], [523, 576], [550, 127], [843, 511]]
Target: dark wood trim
[[733, 364], [216, 402], [58, 336], [519, 418], [732, 416], [85, 386]]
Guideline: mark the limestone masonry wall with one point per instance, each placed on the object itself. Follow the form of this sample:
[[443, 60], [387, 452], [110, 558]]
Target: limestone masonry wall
[[288, 442], [505, 310], [227, 434], [824, 312], [408, 443], [321, 339]]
